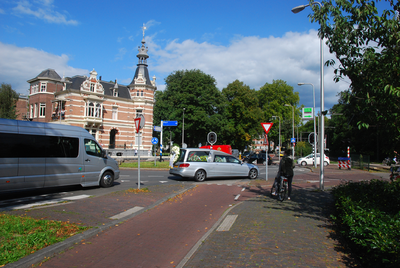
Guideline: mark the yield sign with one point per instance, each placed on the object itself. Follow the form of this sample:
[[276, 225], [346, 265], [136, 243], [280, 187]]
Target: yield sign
[[267, 127], [137, 124]]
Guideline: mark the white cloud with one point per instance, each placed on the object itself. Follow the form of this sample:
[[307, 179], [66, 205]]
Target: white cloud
[[21, 64], [43, 10], [294, 58]]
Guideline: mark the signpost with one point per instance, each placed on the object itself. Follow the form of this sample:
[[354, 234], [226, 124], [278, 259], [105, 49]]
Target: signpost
[[139, 124], [154, 141], [266, 127], [165, 124]]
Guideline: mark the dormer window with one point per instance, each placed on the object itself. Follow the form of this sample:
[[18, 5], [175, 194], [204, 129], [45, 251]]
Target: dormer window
[[115, 94], [92, 87]]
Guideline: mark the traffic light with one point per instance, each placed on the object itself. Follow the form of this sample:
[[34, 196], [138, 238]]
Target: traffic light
[[212, 138]]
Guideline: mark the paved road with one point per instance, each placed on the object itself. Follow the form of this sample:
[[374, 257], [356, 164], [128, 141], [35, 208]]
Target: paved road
[[160, 237]]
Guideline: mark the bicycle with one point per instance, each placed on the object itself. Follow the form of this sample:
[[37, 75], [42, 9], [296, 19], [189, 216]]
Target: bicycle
[[280, 189]]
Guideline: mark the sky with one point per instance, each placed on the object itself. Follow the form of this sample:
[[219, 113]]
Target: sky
[[254, 42]]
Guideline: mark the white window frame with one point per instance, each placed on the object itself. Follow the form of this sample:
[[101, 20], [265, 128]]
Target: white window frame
[[114, 113], [43, 87], [42, 109], [35, 110], [139, 112], [92, 87], [31, 111]]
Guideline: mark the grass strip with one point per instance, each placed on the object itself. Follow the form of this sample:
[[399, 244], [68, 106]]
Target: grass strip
[[146, 164], [21, 236]]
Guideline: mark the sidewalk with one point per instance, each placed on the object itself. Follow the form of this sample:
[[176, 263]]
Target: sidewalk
[[265, 233], [269, 233]]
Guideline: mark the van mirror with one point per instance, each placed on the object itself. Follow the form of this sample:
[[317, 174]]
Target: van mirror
[[103, 154]]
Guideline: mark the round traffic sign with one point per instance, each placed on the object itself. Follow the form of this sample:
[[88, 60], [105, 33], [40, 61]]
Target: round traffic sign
[[154, 140]]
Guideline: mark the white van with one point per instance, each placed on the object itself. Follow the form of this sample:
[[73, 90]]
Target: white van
[[38, 155]]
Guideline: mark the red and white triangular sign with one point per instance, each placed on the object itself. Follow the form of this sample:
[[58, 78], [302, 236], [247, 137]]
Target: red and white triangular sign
[[137, 124], [267, 127]]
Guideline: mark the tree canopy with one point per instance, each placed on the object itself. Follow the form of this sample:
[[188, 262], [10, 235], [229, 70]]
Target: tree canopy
[[367, 45], [197, 93], [8, 99]]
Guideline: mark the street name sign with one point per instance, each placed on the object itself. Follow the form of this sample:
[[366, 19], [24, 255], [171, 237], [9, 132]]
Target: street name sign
[[157, 128], [170, 123]]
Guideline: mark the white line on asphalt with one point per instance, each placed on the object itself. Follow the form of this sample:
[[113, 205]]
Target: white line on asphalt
[[237, 197], [243, 189], [126, 213], [227, 223], [155, 176], [48, 202], [163, 181]]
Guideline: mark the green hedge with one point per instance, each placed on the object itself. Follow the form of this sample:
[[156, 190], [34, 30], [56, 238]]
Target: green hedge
[[367, 214]]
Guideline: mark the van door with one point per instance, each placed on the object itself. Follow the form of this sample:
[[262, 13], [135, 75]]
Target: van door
[[93, 162], [63, 161]]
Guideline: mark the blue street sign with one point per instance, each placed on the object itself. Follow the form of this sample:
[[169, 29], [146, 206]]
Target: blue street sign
[[157, 128], [292, 140], [154, 140], [170, 123]]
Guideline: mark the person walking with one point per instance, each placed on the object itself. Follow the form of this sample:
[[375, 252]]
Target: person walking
[[286, 169]]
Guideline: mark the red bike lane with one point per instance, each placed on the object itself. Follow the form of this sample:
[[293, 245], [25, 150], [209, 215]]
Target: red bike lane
[[159, 237]]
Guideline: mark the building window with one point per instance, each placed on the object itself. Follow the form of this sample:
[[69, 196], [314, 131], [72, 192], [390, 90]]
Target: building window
[[93, 110], [35, 111], [31, 111], [43, 87], [114, 113], [137, 93], [92, 87], [97, 111], [115, 93], [138, 113], [34, 88], [142, 93], [90, 110], [42, 109]]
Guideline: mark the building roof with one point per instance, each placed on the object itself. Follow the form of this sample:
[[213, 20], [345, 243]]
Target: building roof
[[49, 74]]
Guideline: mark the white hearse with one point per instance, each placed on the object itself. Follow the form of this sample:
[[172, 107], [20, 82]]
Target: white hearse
[[38, 155]]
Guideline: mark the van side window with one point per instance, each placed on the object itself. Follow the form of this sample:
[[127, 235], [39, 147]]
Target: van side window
[[26, 145], [92, 148], [198, 156]]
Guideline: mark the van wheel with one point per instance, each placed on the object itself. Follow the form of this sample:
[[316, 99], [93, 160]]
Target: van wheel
[[253, 174], [304, 163], [107, 180], [200, 175]]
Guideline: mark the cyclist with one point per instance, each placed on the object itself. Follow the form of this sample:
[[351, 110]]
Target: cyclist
[[285, 169]]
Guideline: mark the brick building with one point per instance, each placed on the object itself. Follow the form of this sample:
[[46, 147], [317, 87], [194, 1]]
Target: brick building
[[106, 109]]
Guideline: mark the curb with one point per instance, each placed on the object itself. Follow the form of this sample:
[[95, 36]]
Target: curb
[[49, 251]]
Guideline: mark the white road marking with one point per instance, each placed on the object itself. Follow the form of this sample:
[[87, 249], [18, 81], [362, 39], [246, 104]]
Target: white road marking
[[237, 197], [47, 202], [227, 223], [243, 189], [163, 181], [126, 213]]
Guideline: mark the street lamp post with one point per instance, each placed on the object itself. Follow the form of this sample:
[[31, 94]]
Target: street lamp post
[[321, 132], [183, 127], [288, 105], [279, 151], [315, 128]]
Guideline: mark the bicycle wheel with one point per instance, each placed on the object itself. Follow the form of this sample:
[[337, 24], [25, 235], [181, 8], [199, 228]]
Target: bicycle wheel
[[282, 191]]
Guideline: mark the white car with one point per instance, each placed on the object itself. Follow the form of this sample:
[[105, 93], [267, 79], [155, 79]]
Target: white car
[[309, 160]]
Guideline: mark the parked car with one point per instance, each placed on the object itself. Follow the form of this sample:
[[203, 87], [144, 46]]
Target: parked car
[[309, 160], [257, 159], [201, 164]]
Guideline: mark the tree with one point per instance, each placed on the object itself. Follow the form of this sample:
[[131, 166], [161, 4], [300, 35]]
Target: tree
[[197, 93], [8, 99], [242, 113], [367, 46], [271, 100]]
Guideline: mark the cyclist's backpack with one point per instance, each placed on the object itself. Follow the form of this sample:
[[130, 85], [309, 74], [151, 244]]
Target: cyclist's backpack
[[287, 167]]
